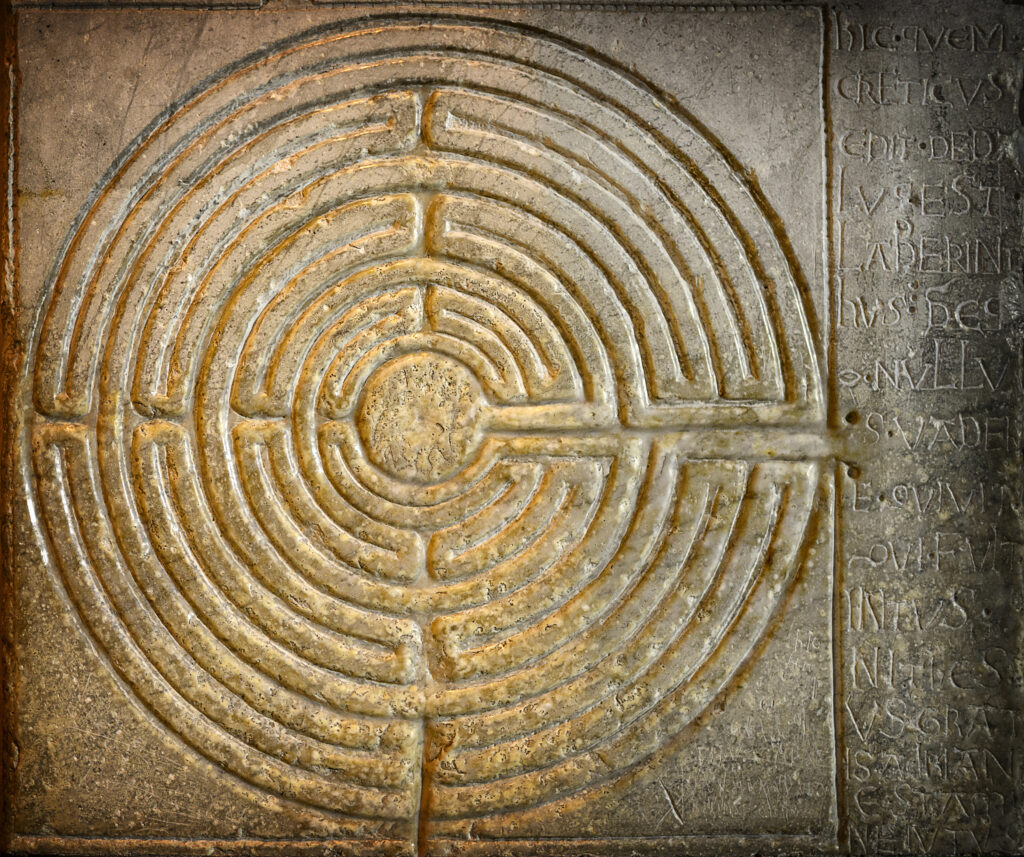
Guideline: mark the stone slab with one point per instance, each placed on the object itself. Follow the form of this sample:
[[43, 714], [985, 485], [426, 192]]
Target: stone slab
[[513, 429]]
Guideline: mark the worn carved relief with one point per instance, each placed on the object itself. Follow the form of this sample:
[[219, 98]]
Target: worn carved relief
[[403, 407], [431, 430]]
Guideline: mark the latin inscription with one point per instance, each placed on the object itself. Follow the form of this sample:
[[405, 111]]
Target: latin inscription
[[929, 375]]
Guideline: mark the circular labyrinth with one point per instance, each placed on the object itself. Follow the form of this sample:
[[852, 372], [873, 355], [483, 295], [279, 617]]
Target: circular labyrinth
[[404, 411]]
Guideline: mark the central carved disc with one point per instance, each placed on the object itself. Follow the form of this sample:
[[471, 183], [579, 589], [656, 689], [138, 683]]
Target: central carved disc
[[418, 417]]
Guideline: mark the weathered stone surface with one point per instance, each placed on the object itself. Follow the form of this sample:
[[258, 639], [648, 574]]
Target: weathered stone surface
[[504, 429]]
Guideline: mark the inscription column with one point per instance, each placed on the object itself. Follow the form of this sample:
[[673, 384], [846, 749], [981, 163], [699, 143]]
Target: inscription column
[[927, 144]]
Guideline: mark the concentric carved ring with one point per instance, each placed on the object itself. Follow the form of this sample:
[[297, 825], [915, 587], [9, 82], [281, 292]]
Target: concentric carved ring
[[404, 404]]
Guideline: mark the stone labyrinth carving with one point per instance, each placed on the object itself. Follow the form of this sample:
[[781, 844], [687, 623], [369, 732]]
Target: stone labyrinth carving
[[405, 411]]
